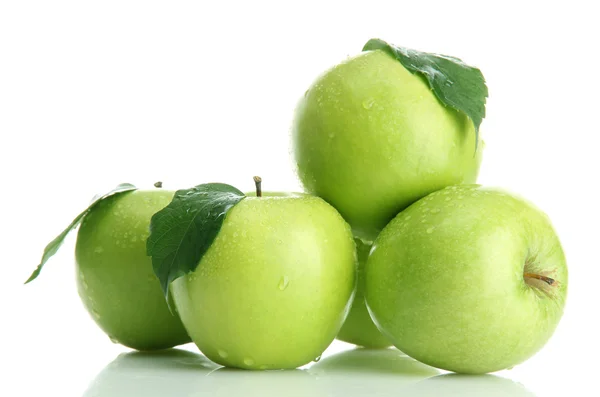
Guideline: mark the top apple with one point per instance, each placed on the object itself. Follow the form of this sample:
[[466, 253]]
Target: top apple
[[384, 128]]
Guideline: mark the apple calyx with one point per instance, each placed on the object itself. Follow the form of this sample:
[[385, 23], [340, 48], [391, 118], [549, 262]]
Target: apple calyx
[[546, 279], [257, 182], [158, 184]]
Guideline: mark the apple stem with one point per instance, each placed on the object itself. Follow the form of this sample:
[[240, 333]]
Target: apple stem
[[257, 182], [547, 280], [158, 184]]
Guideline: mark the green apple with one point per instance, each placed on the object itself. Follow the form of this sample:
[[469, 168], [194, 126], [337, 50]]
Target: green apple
[[275, 285], [371, 138], [469, 279], [115, 278], [358, 327]]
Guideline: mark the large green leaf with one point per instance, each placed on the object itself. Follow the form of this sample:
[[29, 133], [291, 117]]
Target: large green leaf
[[54, 245], [455, 83], [182, 232]]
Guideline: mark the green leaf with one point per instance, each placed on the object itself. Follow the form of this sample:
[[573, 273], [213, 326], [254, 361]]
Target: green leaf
[[182, 232], [455, 83], [55, 244]]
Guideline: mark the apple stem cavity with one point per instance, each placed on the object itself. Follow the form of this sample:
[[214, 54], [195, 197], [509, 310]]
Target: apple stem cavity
[[158, 184], [547, 280], [257, 182]]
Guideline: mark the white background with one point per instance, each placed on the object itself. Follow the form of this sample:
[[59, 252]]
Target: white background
[[97, 93]]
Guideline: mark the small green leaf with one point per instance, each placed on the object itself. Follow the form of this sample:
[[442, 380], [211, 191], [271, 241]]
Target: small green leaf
[[182, 232], [455, 83], [55, 244]]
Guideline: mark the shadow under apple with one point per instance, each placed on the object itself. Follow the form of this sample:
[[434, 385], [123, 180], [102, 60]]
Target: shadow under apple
[[365, 372], [227, 382], [177, 372], [162, 373], [457, 385]]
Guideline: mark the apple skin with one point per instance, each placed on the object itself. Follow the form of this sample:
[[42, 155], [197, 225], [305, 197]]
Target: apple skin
[[445, 280], [115, 279], [358, 327], [275, 286], [371, 138]]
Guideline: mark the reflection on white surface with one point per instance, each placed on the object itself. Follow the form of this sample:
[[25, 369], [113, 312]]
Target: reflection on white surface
[[366, 372], [358, 372], [454, 385]]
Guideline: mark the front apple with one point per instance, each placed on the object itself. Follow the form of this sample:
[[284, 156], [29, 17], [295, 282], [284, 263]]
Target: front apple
[[274, 285], [468, 279]]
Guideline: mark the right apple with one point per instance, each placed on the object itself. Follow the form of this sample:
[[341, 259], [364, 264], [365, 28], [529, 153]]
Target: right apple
[[371, 138], [468, 279]]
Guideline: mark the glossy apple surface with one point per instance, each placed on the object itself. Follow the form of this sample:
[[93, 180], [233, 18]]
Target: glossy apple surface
[[273, 289], [371, 138], [469, 279], [114, 276], [358, 327]]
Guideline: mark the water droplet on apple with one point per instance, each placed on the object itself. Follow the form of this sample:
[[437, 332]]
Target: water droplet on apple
[[223, 353], [460, 197], [263, 366], [279, 242], [95, 314], [435, 210], [98, 250], [447, 198], [317, 359], [368, 103], [430, 230], [113, 339], [248, 361], [283, 283], [85, 284], [331, 135]]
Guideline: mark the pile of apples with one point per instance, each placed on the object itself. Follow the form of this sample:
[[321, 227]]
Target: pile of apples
[[392, 243]]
